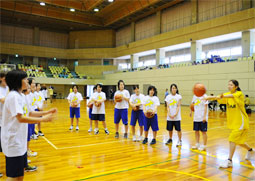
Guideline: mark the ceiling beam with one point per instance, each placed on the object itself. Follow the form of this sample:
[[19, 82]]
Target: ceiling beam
[[91, 4], [50, 12]]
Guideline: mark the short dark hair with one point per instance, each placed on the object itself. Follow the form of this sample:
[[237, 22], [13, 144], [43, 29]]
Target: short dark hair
[[2, 74], [100, 85], [94, 88], [120, 82], [14, 79], [154, 88], [30, 80], [175, 87], [36, 84], [75, 86], [135, 87], [246, 95]]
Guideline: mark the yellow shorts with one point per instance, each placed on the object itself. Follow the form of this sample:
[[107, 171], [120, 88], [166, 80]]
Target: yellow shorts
[[238, 136]]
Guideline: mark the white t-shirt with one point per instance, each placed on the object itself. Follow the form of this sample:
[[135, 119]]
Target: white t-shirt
[[173, 101], [14, 133], [137, 99], [199, 108], [3, 93], [45, 93], [98, 96], [123, 104], [32, 97], [151, 102], [39, 99], [75, 98]]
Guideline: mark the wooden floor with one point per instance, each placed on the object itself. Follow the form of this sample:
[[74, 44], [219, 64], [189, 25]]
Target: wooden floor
[[65, 155]]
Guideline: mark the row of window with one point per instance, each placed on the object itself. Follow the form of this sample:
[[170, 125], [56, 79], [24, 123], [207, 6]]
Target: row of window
[[226, 52]]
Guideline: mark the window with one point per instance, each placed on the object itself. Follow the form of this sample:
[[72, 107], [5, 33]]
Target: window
[[149, 62], [123, 66], [203, 55], [180, 58], [236, 51], [140, 64], [167, 60]]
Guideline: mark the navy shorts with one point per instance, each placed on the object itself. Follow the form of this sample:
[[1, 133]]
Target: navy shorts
[[98, 117], [151, 122], [200, 126], [0, 141], [15, 165], [90, 113], [31, 129], [137, 115], [74, 111], [175, 124], [121, 114]]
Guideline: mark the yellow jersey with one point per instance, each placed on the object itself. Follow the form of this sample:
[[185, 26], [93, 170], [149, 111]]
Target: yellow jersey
[[237, 118]]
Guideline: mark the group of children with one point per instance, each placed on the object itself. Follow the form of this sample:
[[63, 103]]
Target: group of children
[[144, 111], [21, 107]]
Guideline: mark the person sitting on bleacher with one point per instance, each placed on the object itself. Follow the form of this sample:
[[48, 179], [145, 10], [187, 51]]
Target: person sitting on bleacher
[[247, 101]]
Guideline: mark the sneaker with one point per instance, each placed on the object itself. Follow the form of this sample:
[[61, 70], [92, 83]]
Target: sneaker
[[169, 141], [96, 131], [202, 148], [196, 146], [31, 153], [71, 127], [106, 131], [125, 135], [117, 135], [90, 130], [226, 164], [134, 138], [30, 168], [179, 143], [77, 128], [153, 141], [40, 133], [140, 138], [34, 137], [28, 161], [249, 155], [1, 175], [145, 140]]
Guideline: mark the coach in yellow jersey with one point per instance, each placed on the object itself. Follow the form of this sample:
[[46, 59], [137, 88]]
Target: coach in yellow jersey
[[237, 120]]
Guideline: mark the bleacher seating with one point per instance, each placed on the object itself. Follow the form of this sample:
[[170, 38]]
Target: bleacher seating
[[60, 72], [32, 70]]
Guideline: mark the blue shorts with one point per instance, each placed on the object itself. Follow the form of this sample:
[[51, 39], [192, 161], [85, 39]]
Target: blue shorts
[[90, 113], [121, 114], [151, 122], [74, 111], [173, 124], [137, 115], [200, 126], [98, 117]]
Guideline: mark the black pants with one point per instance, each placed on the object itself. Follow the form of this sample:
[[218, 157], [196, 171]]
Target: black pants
[[223, 107]]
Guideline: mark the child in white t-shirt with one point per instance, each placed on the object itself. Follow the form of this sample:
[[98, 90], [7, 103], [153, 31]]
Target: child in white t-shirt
[[98, 111], [173, 102], [90, 106], [200, 120], [74, 99], [14, 124], [121, 109], [39, 102], [150, 104]]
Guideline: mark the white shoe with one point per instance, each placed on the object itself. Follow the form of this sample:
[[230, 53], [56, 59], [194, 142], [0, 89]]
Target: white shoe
[[179, 143], [31, 153], [90, 130], [71, 127], [96, 131], [134, 138], [28, 161], [196, 146], [34, 137], [226, 164], [249, 155], [77, 128], [140, 138], [202, 148]]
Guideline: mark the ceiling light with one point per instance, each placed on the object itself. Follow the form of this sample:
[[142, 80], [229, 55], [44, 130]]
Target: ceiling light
[[16, 55], [96, 9], [110, 1], [42, 3], [72, 9], [54, 58]]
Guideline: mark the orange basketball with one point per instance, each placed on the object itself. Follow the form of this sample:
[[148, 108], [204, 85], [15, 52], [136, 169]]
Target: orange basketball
[[136, 108], [98, 104], [149, 114], [199, 89], [118, 98], [192, 107], [90, 106]]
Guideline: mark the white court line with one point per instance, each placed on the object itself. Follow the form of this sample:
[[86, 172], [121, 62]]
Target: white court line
[[87, 145], [50, 142]]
